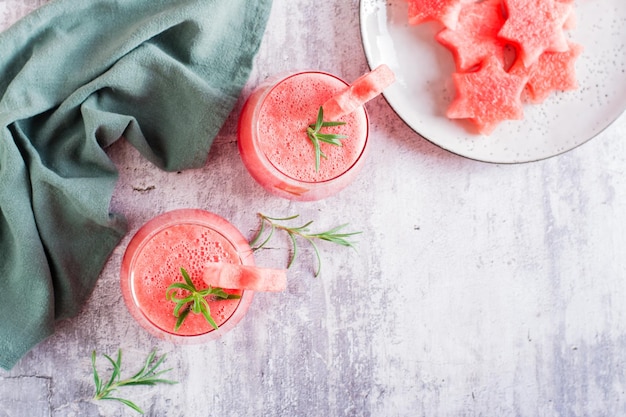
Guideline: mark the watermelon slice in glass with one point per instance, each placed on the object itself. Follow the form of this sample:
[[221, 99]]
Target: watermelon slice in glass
[[362, 90], [244, 277]]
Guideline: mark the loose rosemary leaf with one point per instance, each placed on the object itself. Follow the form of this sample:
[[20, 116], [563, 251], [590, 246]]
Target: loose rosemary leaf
[[148, 375], [275, 223]]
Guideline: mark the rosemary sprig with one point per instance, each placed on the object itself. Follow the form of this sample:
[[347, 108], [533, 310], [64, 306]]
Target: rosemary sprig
[[195, 301], [148, 375], [333, 235], [314, 134]]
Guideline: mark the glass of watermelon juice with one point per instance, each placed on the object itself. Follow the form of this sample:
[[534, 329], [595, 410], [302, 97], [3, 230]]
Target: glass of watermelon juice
[[274, 145], [184, 238]]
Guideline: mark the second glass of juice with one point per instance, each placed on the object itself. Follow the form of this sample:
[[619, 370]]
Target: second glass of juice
[[275, 148], [184, 238]]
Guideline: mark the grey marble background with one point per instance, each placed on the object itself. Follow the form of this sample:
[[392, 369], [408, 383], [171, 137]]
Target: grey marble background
[[475, 290]]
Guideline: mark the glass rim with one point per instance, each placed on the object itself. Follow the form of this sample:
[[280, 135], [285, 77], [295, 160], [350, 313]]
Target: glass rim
[[154, 227], [261, 103]]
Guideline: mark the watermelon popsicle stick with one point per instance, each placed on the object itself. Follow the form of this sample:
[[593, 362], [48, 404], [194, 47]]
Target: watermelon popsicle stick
[[362, 90], [244, 277]]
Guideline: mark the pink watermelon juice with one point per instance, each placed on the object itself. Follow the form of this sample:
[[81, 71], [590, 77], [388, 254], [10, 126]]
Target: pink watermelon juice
[[274, 145], [187, 238]]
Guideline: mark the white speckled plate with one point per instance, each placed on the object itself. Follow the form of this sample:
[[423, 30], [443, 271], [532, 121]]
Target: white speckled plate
[[565, 120]]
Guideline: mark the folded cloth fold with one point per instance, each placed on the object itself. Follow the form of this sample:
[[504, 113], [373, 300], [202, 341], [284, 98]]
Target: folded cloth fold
[[75, 77]]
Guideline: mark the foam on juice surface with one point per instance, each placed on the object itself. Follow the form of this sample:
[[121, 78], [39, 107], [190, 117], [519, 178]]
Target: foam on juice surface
[[158, 265], [286, 113]]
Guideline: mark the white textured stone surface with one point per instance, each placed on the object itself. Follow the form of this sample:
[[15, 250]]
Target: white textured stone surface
[[476, 290]]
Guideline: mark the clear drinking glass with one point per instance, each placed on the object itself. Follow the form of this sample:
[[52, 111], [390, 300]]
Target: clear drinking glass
[[274, 145], [185, 238]]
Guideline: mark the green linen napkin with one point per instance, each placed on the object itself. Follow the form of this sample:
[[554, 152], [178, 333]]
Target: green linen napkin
[[75, 76]]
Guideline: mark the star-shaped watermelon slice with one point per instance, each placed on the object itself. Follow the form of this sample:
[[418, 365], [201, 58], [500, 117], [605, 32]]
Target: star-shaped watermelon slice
[[571, 21], [475, 37], [487, 96], [535, 26], [554, 71], [445, 12]]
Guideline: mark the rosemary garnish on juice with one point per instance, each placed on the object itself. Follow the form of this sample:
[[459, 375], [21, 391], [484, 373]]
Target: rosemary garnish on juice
[[195, 301], [333, 235], [314, 134], [148, 375]]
